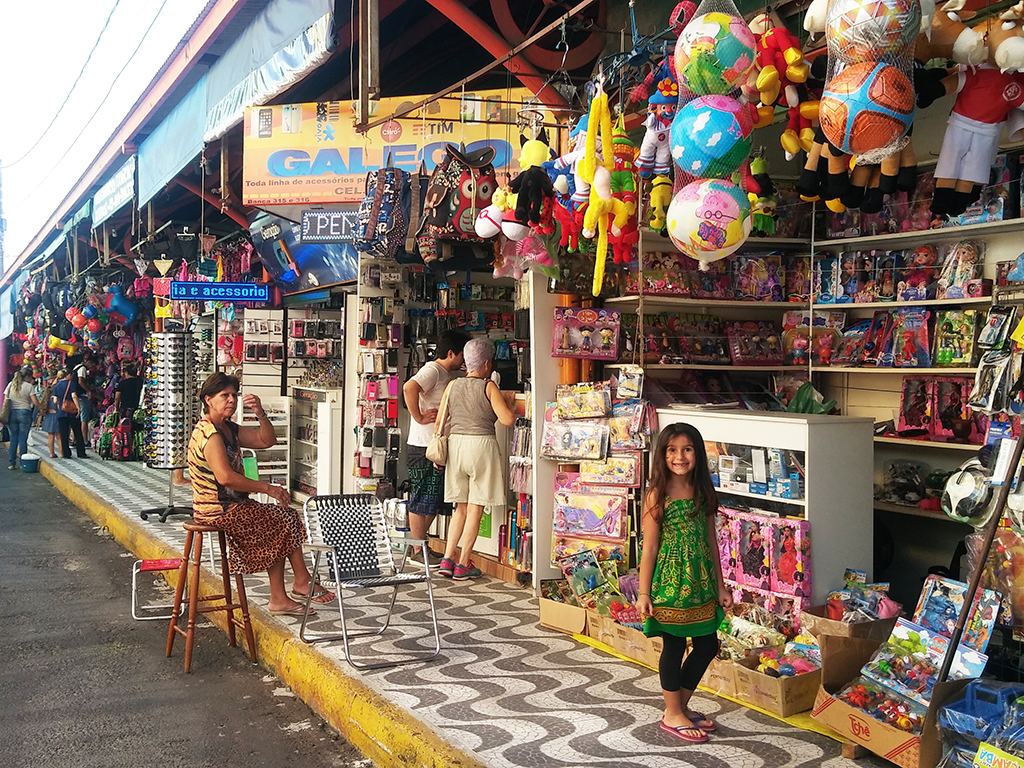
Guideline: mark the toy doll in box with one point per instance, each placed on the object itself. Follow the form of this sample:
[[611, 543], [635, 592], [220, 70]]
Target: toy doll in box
[[662, 274], [959, 266], [726, 543], [954, 337], [827, 288], [757, 278], [753, 535], [744, 595], [850, 277], [916, 401], [791, 557], [798, 277], [879, 339], [753, 343], [917, 281], [953, 418], [885, 274], [591, 334], [866, 276], [713, 283], [910, 339]]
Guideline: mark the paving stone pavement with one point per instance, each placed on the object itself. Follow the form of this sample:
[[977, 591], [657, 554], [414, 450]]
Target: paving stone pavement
[[508, 690]]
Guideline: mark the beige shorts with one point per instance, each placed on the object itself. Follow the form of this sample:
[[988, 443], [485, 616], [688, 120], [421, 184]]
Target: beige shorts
[[474, 471]]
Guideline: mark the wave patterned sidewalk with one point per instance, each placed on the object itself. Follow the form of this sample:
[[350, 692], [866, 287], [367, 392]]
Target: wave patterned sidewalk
[[504, 692]]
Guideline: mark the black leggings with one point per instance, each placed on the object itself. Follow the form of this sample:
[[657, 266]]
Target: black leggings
[[674, 672], [69, 426]]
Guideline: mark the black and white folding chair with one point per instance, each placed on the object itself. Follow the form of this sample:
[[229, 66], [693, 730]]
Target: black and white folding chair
[[351, 529]]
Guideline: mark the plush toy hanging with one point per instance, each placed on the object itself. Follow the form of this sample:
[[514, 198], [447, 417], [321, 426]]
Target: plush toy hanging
[[660, 199], [596, 170], [989, 97], [624, 188], [655, 158]]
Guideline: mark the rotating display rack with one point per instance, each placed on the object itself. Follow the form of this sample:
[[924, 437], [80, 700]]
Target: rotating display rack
[[172, 407]]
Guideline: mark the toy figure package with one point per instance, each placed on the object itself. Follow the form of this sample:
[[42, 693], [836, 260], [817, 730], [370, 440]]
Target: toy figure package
[[557, 590], [626, 426], [878, 343], [917, 279], [996, 328], [586, 400], [581, 571], [757, 277], [940, 604], [991, 388], [753, 535], [591, 334], [827, 288], [753, 343], [850, 350], [910, 339], [954, 338], [916, 401], [590, 513], [960, 265], [885, 274], [617, 469], [574, 440], [798, 278], [630, 382], [663, 274], [602, 549], [952, 414], [790, 557]]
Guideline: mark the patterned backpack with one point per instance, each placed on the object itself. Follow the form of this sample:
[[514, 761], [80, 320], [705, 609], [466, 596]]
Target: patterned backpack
[[460, 187], [382, 224]]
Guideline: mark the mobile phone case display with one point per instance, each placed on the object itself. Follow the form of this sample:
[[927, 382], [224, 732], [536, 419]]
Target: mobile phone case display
[[317, 432], [379, 440], [832, 496], [273, 463], [172, 407], [515, 536], [475, 307]]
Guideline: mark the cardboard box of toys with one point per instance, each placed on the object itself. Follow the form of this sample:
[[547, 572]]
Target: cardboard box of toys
[[841, 660], [814, 621], [782, 696]]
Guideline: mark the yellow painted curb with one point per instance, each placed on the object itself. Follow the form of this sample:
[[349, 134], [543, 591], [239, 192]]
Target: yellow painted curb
[[384, 732]]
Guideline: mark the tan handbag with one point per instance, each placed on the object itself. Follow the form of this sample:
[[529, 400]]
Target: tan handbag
[[437, 446]]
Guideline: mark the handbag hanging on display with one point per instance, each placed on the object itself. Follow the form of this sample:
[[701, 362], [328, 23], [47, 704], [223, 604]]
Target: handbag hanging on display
[[437, 446], [68, 406], [5, 411]]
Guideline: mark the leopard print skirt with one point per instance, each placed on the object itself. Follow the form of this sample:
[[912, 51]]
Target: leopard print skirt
[[259, 535]]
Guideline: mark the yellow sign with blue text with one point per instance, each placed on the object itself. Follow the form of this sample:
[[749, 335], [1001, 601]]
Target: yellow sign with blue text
[[296, 154]]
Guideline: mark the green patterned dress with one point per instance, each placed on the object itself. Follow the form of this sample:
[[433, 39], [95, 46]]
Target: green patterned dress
[[684, 589]]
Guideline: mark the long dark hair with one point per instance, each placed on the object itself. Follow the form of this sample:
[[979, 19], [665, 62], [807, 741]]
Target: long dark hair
[[704, 490]]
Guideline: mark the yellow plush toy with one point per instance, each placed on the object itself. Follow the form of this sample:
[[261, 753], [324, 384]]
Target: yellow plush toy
[[661, 197], [597, 171]]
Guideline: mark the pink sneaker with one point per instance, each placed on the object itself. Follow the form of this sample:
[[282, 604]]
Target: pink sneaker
[[447, 567], [466, 572]]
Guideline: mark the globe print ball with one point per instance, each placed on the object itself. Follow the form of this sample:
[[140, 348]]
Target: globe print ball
[[714, 54], [866, 107], [711, 136], [870, 30], [709, 219]]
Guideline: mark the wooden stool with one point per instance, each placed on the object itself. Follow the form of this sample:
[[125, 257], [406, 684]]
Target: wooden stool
[[191, 531]]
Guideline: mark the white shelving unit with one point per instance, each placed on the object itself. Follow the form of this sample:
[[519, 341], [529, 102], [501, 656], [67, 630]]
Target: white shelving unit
[[273, 463], [837, 487], [316, 436]]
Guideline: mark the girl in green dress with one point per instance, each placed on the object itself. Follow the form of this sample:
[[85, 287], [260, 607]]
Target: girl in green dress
[[682, 593]]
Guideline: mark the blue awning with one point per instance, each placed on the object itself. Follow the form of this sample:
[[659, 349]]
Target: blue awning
[[173, 144]]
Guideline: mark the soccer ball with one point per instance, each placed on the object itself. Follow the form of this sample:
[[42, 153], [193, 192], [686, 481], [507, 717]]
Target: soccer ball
[[711, 136], [870, 30], [714, 54], [866, 107], [709, 219]]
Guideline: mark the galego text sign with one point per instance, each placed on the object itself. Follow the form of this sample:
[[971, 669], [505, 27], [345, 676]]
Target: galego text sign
[[183, 291]]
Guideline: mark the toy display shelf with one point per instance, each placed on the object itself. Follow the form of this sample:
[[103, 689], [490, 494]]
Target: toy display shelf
[[324, 409], [761, 496], [906, 509], [920, 237], [838, 497], [652, 242], [929, 444], [853, 369], [711, 367], [900, 304], [687, 302]]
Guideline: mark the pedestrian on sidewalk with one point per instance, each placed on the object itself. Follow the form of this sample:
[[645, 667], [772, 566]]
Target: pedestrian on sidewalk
[[20, 391], [422, 397], [51, 426], [473, 478], [682, 593], [260, 536], [66, 394]]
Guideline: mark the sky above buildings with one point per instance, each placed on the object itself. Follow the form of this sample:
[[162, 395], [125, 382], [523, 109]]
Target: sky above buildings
[[43, 47]]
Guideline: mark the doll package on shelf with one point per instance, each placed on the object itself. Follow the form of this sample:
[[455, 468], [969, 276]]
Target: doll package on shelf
[[802, 342]]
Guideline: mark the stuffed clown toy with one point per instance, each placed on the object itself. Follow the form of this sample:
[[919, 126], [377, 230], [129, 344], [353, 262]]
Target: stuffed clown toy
[[656, 152]]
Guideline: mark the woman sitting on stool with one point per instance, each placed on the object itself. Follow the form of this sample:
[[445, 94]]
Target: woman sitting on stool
[[260, 536]]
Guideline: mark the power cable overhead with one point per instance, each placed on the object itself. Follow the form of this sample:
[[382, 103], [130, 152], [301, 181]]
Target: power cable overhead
[[70, 92], [98, 107]]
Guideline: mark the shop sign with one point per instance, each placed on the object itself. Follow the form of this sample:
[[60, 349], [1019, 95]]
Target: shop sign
[[309, 395], [296, 154], [120, 189], [328, 227], [202, 291]]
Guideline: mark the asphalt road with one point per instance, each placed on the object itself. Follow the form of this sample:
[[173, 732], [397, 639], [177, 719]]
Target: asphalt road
[[82, 684]]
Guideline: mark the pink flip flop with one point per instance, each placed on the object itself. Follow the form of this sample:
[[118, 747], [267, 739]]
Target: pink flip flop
[[683, 733]]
